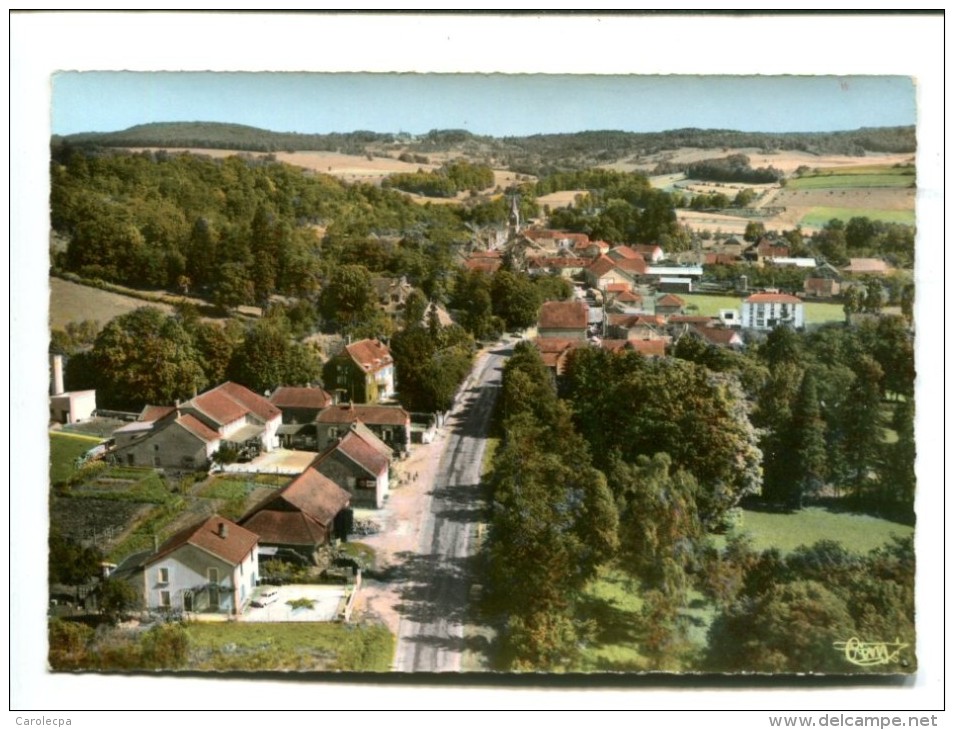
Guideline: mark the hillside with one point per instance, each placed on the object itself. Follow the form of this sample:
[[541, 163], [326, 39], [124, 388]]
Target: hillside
[[532, 155]]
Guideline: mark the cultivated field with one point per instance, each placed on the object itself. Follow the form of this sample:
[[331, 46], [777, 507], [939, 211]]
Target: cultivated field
[[561, 199]]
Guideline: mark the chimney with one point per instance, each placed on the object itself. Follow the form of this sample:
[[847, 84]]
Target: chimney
[[223, 530], [58, 388]]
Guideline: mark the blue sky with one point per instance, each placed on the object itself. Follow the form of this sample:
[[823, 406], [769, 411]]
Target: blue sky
[[493, 104]]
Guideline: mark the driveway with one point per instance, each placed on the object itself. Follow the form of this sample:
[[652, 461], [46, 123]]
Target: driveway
[[328, 603]]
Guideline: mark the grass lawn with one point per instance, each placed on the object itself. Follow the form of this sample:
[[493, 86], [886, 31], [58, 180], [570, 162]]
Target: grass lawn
[[815, 312], [857, 532], [613, 602], [320, 647], [65, 448], [819, 216], [842, 180]]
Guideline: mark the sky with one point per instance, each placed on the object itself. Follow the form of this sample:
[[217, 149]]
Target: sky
[[491, 104]]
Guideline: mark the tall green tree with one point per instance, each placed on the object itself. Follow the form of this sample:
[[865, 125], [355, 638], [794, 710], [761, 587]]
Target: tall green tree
[[269, 357], [143, 357], [808, 443]]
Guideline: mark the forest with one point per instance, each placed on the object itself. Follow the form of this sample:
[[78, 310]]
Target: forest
[[583, 481]]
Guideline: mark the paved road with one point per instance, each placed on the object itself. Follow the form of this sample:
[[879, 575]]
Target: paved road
[[436, 580]]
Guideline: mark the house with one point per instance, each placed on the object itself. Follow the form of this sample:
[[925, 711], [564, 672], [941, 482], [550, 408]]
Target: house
[[621, 253], [764, 249], [555, 351], [769, 309], [720, 259], [650, 252], [669, 304], [635, 326], [605, 271], [391, 424], [245, 421], [563, 320], [301, 517], [187, 435], [565, 266], [358, 463], [172, 441], [391, 293], [716, 336], [68, 407], [210, 567], [363, 371], [821, 288], [486, 261], [300, 407]]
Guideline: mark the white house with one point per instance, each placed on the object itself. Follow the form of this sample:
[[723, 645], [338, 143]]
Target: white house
[[211, 567], [769, 309]]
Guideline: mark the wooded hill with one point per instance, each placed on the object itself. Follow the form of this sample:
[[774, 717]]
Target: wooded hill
[[537, 154]]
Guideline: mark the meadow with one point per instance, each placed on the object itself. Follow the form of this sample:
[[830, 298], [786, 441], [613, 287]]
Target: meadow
[[819, 216], [65, 449], [815, 312]]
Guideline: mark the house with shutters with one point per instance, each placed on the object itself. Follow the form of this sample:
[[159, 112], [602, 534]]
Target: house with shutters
[[391, 424], [359, 462], [363, 372], [300, 407], [301, 517], [770, 309], [211, 567]]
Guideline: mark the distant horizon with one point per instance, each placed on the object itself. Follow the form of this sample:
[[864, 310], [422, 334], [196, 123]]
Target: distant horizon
[[490, 105], [476, 134]]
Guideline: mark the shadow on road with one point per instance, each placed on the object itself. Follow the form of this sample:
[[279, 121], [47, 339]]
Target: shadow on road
[[434, 588], [460, 503]]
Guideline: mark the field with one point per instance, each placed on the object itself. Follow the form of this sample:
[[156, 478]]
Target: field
[[815, 312], [64, 450], [318, 647], [818, 217], [858, 533], [70, 302]]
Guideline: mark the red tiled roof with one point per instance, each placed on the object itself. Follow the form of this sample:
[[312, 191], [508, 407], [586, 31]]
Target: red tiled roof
[[623, 252], [287, 397], [232, 548], [647, 248], [278, 527], [563, 315], [613, 345], [670, 300], [151, 414], [717, 335], [370, 355], [561, 262], [720, 258], [557, 344], [629, 296], [649, 347], [620, 287], [194, 426], [361, 449], [773, 297], [602, 265], [229, 402], [633, 265], [369, 414]]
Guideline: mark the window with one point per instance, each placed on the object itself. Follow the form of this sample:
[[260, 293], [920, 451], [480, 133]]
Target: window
[[163, 576], [213, 575], [165, 599]]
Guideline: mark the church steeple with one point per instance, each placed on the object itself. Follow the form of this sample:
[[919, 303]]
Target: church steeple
[[515, 213]]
